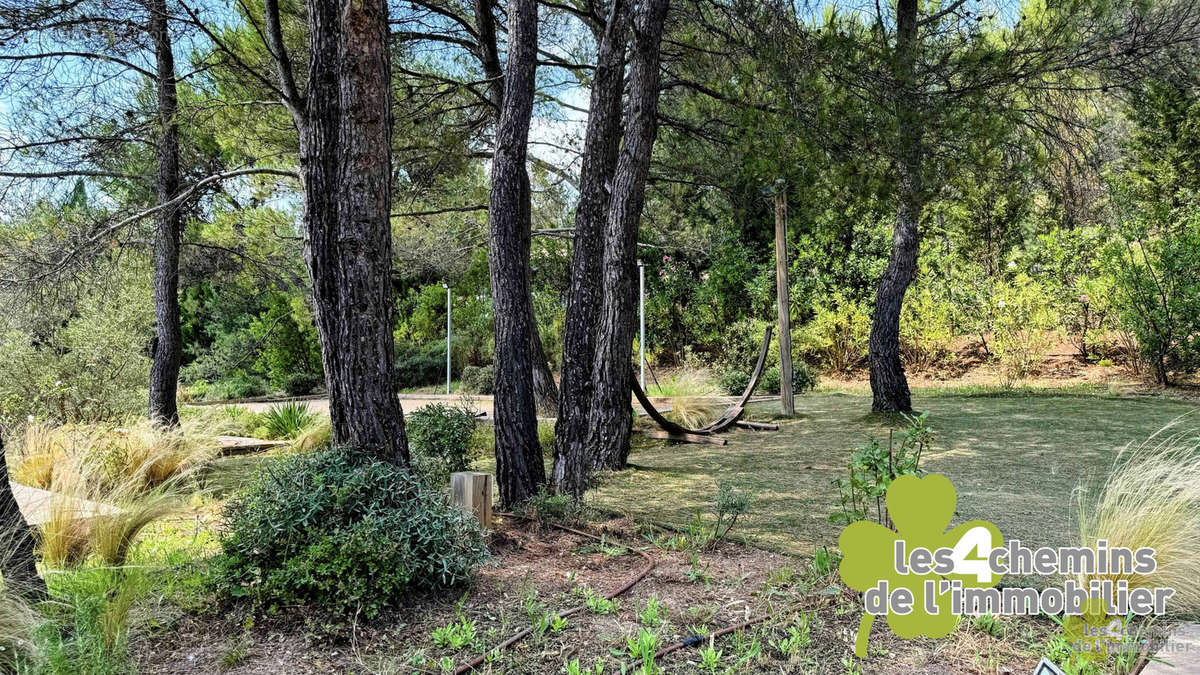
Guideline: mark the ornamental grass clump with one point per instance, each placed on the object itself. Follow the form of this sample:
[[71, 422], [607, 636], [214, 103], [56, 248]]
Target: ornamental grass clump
[[1151, 498]]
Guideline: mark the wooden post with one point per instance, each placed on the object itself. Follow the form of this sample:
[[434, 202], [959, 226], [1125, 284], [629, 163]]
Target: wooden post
[[782, 292], [472, 492]]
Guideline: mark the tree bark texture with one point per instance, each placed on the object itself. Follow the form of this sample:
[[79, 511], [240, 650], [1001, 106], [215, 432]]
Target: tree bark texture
[[545, 392], [889, 388], [346, 121], [611, 414], [20, 560], [519, 466], [168, 343], [600, 147]]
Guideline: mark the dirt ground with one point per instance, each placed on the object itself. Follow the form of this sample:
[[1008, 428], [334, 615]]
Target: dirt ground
[[537, 569]]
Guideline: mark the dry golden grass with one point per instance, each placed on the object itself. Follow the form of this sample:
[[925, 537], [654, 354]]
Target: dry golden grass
[[314, 436], [38, 451], [1152, 499], [689, 391], [139, 474]]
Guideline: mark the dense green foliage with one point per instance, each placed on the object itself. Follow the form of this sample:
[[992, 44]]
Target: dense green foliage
[[440, 438], [343, 533]]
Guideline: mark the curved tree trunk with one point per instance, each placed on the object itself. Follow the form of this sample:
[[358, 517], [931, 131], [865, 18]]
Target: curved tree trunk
[[347, 243], [519, 466], [601, 143], [889, 388], [612, 414], [168, 343], [20, 562]]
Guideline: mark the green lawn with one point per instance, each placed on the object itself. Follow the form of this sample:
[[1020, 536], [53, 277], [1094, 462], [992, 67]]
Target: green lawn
[[1016, 459]]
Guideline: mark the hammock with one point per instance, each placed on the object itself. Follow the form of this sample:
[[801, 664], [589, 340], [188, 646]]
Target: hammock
[[727, 419]]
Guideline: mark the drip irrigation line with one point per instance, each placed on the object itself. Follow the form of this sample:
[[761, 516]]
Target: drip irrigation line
[[633, 581]]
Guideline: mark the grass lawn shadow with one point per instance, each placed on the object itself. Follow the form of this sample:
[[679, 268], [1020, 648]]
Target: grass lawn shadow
[[1015, 460]]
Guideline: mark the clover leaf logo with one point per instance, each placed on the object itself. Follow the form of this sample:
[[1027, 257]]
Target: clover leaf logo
[[920, 509]]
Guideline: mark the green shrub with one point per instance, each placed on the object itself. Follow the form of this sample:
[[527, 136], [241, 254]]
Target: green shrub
[[440, 438], [302, 384], [237, 386], [734, 382], [837, 334], [417, 367], [804, 377], [343, 532], [769, 382], [478, 379], [1023, 321], [288, 420]]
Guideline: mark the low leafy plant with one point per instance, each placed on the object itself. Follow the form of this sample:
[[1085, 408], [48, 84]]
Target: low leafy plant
[[596, 603], [288, 420], [643, 647], [710, 658], [799, 636], [874, 466], [455, 635], [341, 531], [654, 614], [731, 503]]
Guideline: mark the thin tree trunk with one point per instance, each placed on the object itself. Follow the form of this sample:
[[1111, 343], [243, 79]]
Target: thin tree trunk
[[612, 415], [20, 560], [519, 466], [601, 143], [168, 343], [889, 388], [545, 392], [346, 119]]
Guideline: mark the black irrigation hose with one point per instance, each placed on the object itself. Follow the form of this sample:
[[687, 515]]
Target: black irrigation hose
[[633, 581]]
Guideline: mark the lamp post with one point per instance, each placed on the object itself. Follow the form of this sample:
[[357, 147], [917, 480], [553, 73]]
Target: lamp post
[[447, 287], [642, 319]]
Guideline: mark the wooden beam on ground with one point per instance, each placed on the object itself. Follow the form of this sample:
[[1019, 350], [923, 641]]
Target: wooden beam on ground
[[757, 426], [683, 438], [241, 445]]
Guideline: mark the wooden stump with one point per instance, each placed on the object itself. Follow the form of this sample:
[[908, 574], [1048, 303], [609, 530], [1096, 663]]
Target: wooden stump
[[472, 492]]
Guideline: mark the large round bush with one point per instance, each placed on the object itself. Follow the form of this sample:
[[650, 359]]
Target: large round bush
[[341, 531]]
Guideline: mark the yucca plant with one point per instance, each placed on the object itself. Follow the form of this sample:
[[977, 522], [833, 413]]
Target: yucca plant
[[1151, 498], [288, 420]]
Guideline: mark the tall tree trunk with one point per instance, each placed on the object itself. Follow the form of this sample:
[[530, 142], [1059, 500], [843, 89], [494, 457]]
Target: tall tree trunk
[[545, 393], [601, 143], [346, 119], [168, 343], [889, 388], [20, 562], [519, 466], [611, 415]]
